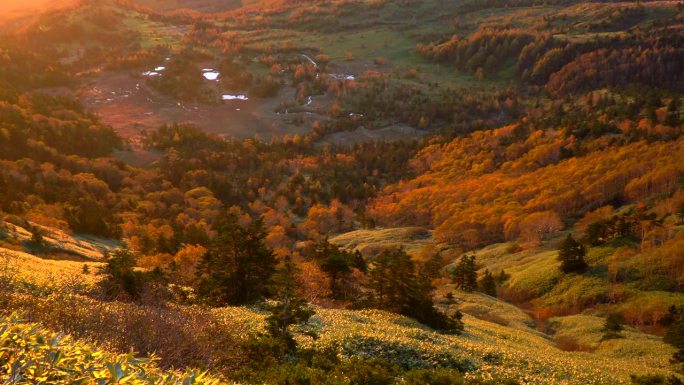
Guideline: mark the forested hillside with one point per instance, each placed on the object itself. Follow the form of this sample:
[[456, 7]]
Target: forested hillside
[[342, 192]]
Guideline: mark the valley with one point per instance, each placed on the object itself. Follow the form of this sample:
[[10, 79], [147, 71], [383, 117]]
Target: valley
[[474, 192]]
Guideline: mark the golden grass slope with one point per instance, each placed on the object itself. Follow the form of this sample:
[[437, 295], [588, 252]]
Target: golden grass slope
[[487, 349], [371, 242], [503, 343], [86, 247], [50, 274]]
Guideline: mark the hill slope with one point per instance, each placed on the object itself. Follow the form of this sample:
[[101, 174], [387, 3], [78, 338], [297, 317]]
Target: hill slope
[[501, 343]]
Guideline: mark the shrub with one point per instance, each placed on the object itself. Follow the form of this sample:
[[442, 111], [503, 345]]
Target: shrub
[[655, 380], [571, 256], [180, 337], [121, 278], [571, 344], [433, 377], [613, 326], [30, 354]]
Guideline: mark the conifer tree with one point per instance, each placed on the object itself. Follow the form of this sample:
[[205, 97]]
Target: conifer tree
[[433, 266], [674, 321], [487, 284], [237, 268], [337, 263], [464, 275], [613, 326], [121, 276], [289, 309], [399, 288], [571, 256]]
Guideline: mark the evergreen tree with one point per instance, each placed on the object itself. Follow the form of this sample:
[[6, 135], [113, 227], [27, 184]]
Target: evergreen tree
[[432, 268], [238, 266], [502, 277], [399, 288], [613, 326], [337, 263], [674, 321], [37, 237], [596, 233], [672, 117], [487, 284], [392, 278], [289, 309], [464, 275], [121, 276], [571, 255]]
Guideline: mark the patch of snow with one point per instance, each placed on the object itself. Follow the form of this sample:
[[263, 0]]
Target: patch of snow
[[234, 97], [343, 76], [160, 68], [211, 75], [151, 73]]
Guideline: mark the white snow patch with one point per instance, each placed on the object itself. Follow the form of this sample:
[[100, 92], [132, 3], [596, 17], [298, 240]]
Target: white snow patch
[[234, 97], [343, 76], [211, 75]]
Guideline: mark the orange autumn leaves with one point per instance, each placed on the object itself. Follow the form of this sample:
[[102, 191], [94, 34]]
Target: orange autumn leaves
[[487, 187]]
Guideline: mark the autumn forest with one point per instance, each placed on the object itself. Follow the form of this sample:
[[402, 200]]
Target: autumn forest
[[342, 192]]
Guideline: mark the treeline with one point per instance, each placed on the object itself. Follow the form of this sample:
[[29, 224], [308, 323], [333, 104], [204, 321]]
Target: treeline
[[651, 57], [475, 5], [377, 99], [22, 69], [522, 180], [488, 50]]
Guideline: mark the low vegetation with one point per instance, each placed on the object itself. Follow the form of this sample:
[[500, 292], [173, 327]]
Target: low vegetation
[[342, 192]]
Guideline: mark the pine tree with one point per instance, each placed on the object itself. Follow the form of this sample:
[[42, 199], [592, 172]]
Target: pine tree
[[502, 277], [121, 276], [674, 321], [289, 309], [464, 275], [432, 268], [672, 117], [487, 284], [571, 255], [613, 326], [399, 288], [337, 263], [392, 278], [237, 268], [37, 237]]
